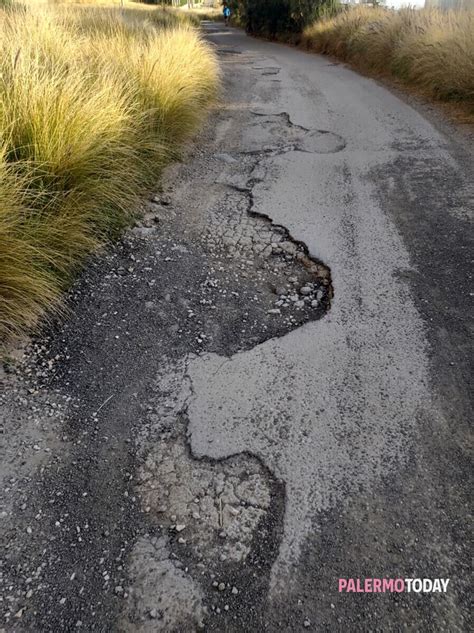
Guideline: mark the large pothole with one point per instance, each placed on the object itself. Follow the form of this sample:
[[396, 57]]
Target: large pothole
[[212, 507], [213, 525], [268, 132], [277, 284]]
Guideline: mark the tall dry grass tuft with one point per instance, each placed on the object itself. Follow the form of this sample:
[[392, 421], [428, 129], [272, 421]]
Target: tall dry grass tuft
[[26, 280], [428, 48], [93, 103]]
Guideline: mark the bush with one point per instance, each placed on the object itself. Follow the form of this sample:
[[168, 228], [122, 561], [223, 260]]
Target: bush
[[428, 48], [93, 103], [276, 17]]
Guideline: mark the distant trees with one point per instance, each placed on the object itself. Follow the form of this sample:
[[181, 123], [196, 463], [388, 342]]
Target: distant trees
[[280, 16]]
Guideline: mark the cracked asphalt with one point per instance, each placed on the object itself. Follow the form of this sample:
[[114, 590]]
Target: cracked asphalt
[[264, 386]]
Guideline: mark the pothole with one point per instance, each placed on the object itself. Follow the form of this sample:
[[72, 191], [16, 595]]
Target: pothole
[[211, 524], [276, 133], [268, 70], [228, 51], [270, 256], [213, 507], [300, 284]]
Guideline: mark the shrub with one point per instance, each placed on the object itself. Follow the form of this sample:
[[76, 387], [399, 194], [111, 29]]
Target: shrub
[[276, 17], [93, 103], [428, 48]]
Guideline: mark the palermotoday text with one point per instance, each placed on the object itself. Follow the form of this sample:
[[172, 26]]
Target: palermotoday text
[[390, 585]]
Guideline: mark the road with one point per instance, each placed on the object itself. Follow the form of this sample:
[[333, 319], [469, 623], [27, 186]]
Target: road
[[265, 386]]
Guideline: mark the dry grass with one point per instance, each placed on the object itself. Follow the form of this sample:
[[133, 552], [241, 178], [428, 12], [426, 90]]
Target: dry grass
[[212, 14], [430, 49], [93, 103]]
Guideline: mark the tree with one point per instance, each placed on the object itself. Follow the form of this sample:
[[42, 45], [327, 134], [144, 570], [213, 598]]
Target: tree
[[280, 16]]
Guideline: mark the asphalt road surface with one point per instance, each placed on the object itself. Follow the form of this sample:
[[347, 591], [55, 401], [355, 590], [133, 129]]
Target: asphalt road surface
[[264, 388]]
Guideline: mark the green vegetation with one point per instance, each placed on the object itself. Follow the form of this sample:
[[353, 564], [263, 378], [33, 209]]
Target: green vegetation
[[93, 103], [275, 18]]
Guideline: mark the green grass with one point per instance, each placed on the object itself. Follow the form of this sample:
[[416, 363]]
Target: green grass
[[94, 102]]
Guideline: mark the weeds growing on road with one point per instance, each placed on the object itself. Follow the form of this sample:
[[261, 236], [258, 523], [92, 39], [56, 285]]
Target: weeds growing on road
[[431, 49], [93, 103]]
